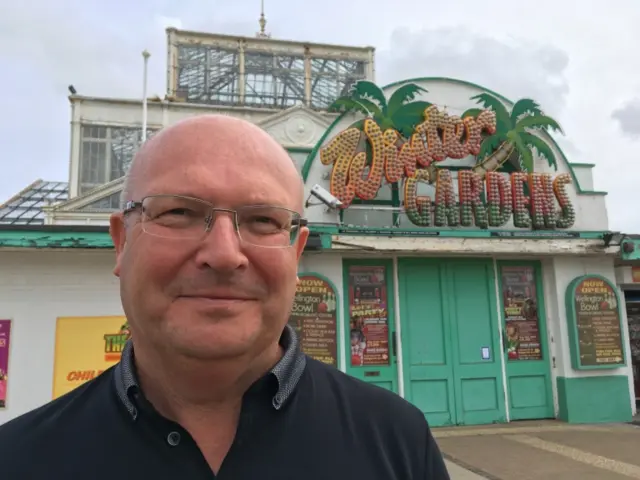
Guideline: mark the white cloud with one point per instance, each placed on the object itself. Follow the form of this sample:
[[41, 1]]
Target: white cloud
[[515, 69], [628, 118]]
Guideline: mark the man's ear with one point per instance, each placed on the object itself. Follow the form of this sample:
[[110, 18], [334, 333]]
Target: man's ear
[[118, 237], [302, 241]]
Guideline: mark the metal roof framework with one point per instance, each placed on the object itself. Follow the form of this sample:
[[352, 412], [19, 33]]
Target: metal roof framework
[[241, 75]]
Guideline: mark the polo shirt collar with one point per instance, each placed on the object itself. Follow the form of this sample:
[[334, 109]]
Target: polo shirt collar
[[287, 372]]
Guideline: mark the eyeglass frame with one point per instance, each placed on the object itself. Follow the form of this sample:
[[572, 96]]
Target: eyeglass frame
[[133, 205]]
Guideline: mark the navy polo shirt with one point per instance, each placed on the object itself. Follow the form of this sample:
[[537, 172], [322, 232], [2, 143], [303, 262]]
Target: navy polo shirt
[[303, 420]]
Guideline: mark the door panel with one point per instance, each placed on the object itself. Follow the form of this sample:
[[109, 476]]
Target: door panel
[[376, 281], [425, 336], [477, 369], [449, 324], [528, 374]]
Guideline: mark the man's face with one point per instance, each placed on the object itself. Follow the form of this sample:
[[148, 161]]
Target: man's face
[[215, 297]]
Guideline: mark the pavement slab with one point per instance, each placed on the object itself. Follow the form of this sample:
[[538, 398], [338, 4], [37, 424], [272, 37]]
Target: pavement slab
[[615, 445], [542, 451], [456, 472]]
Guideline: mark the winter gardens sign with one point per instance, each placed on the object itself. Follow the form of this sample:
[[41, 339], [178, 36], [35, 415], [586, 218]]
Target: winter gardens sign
[[402, 139]]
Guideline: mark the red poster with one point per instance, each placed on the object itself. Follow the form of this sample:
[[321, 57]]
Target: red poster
[[520, 304], [5, 338], [368, 316]]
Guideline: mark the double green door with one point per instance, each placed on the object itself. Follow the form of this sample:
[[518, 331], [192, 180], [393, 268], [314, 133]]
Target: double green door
[[450, 340], [456, 366]]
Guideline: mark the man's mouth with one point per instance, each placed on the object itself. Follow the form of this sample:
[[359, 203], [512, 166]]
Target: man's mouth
[[219, 299]]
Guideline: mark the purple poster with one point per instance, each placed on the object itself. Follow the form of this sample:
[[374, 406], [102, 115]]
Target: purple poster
[[5, 334]]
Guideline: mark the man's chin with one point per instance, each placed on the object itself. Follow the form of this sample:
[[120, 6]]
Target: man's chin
[[220, 338], [200, 349], [215, 307]]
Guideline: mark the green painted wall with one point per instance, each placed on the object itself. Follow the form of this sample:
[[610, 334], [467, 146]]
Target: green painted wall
[[602, 399]]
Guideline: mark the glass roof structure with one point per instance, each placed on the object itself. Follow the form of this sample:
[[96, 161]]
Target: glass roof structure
[[25, 208]]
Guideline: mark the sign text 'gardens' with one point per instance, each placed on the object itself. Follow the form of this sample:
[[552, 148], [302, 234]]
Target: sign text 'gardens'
[[484, 197]]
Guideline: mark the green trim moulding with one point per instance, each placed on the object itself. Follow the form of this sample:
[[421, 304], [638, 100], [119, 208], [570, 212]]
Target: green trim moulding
[[603, 399], [582, 165], [46, 236], [61, 239]]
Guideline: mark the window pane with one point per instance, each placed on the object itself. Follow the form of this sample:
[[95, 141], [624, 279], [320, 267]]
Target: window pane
[[124, 145], [106, 153], [93, 157], [112, 202], [274, 80], [331, 78], [208, 74]]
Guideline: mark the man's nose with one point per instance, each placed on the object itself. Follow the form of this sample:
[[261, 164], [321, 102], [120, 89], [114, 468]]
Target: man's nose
[[221, 247]]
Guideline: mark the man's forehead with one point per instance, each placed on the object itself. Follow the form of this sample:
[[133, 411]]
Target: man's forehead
[[227, 190], [227, 158], [218, 141]]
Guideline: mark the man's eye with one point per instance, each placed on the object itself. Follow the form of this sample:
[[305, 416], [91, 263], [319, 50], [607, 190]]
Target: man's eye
[[178, 211]]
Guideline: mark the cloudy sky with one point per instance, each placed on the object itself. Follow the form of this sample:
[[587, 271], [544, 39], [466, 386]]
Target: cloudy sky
[[578, 59]]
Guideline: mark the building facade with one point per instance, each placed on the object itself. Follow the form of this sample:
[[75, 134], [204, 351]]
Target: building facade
[[456, 258]]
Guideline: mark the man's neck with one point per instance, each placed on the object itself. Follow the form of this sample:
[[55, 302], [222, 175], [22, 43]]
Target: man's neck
[[181, 388]]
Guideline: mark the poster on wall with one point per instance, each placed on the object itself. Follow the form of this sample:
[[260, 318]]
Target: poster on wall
[[521, 317], [633, 318], [368, 316], [84, 348], [5, 339], [314, 318], [594, 316]]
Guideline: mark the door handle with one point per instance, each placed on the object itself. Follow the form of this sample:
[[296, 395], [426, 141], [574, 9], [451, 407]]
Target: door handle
[[394, 343]]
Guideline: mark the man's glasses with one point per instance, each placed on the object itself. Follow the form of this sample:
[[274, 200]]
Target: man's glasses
[[179, 217]]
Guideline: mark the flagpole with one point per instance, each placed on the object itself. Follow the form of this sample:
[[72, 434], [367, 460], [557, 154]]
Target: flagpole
[[145, 55]]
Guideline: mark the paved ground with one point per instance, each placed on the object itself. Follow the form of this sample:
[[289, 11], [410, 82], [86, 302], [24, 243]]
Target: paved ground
[[542, 451], [459, 473]]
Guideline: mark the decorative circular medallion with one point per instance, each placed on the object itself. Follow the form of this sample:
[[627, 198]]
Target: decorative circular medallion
[[300, 130]]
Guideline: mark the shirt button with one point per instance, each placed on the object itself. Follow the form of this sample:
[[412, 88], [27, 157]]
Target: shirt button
[[173, 439]]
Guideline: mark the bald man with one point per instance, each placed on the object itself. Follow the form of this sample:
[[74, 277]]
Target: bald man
[[213, 383]]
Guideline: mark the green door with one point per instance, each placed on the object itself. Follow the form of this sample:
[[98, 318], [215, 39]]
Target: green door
[[450, 335], [525, 345], [369, 309]]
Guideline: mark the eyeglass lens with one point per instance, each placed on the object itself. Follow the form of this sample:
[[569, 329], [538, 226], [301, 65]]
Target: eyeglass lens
[[172, 216]]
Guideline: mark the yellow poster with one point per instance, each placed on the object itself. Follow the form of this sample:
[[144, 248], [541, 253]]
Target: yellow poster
[[85, 347]]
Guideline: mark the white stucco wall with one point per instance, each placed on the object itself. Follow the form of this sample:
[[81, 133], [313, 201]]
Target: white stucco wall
[[330, 266], [36, 287], [584, 175], [558, 273]]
